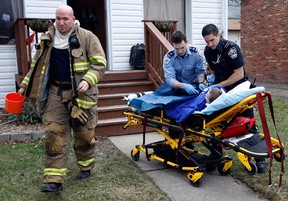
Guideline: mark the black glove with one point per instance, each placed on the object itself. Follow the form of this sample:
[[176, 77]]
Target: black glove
[[77, 114]]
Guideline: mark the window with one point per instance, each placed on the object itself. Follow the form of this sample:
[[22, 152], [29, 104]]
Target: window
[[10, 10]]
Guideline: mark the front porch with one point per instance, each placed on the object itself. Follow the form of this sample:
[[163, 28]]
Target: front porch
[[116, 84]]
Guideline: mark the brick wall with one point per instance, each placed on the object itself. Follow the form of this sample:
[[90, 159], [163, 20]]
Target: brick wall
[[264, 42]]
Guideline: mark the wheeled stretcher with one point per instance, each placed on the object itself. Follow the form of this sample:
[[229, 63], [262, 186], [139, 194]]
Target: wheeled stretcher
[[178, 147]]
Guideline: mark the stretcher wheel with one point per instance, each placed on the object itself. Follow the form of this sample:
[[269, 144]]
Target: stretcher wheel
[[135, 154], [195, 178], [278, 156], [221, 171], [196, 183], [253, 170]]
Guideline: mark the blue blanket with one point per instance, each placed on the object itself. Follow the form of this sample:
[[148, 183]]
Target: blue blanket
[[180, 108], [164, 95]]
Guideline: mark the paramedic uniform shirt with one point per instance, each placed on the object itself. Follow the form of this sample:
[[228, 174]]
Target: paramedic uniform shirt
[[224, 60], [186, 69]]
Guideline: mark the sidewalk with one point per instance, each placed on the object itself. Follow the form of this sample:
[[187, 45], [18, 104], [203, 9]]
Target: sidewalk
[[175, 183]]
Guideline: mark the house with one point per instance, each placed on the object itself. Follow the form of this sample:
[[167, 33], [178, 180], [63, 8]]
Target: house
[[234, 24], [117, 23], [264, 31]]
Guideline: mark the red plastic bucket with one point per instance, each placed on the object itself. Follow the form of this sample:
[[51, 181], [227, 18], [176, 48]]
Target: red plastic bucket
[[14, 103]]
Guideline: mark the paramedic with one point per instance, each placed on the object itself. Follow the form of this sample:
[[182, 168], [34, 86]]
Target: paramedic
[[183, 66], [224, 58], [67, 102], [226, 67]]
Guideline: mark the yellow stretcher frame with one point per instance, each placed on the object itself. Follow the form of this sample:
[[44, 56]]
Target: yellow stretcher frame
[[210, 131]]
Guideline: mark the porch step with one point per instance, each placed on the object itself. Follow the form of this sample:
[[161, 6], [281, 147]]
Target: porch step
[[114, 127], [125, 87], [111, 112], [116, 76], [112, 89], [111, 99]]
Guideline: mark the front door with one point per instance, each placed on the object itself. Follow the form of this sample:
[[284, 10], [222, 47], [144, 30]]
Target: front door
[[91, 15]]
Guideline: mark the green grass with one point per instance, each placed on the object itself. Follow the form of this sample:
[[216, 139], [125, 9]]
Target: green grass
[[259, 182], [115, 176]]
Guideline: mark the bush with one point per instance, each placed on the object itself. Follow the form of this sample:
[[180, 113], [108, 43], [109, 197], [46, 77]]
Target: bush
[[29, 115]]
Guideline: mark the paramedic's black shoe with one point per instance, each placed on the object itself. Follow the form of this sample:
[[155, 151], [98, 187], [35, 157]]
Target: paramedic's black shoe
[[83, 174], [52, 187], [261, 165]]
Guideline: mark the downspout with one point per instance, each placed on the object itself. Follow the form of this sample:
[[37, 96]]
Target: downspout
[[188, 19], [109, 53], [224, 15]]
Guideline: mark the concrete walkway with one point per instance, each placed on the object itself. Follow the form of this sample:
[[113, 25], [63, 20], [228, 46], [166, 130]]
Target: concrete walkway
[[175, 183]]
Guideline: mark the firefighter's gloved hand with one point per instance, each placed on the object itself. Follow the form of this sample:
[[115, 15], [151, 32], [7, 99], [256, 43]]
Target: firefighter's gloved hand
[[190, 89], [79, 115]]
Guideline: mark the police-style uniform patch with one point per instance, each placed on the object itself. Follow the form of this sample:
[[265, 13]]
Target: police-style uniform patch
[[170, 53], [193, 49], [232, 53]]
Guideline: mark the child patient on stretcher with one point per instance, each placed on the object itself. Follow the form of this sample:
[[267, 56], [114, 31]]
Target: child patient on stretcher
[[212, 95]]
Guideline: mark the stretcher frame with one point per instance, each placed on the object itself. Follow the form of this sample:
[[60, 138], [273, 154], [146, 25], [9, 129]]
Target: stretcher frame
[[208, 134]]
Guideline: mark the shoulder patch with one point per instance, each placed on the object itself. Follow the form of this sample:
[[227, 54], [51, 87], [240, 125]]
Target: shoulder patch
[[232, 53], [170, 53], [193, 49]]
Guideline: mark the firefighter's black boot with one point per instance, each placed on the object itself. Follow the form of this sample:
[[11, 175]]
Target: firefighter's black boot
[[83, 174], [52, 187]]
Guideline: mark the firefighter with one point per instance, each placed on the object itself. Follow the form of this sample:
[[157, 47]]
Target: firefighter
[[63, 78]]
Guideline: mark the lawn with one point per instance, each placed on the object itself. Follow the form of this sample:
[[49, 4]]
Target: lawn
[[116, 177], [259, 182]]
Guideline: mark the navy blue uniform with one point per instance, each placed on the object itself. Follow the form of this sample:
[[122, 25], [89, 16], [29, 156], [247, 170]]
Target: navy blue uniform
[[224, 60]]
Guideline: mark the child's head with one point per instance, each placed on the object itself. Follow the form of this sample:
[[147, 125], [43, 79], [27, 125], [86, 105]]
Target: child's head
[[212, 94]]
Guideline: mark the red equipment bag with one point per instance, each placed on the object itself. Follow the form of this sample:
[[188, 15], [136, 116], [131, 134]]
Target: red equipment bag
[[240, 126]]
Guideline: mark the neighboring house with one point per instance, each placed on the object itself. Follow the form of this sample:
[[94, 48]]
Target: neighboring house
[[117, 23], [234, 24], [264, 31]]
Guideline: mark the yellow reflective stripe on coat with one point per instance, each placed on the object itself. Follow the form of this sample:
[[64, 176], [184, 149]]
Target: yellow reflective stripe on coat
[[87, 162], [43, 70], [26, 80], [86, 104], [92, 77], [55, 172], [33, 63], [81, 66], [97, 59]]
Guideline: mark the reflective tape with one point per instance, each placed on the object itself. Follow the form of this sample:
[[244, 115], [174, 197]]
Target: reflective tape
[[97, 59], [92, 77], [55, 172], [86, 104], [87, 162]]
